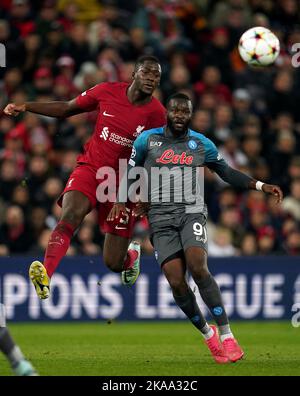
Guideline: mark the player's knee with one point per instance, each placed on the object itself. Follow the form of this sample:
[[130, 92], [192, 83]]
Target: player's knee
[[198, 267], [179, 286], [73, 217], [202, 273]]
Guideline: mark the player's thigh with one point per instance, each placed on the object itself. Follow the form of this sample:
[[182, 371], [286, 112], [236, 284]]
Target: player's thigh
[[83, 180], [166, 242], [75, 206], [115, 250]]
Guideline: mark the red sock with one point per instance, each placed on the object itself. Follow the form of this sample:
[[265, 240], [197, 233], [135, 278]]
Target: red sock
[[58, 245], [132, 255]]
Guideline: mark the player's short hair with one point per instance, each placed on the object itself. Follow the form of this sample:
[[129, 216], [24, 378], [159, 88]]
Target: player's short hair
[[179, 96], [145, 58]]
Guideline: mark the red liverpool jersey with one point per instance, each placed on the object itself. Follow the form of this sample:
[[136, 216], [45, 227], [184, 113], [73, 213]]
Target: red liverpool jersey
[[119, 122]]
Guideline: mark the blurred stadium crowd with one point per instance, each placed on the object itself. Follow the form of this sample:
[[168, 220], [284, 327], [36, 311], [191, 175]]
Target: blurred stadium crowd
[[58, 49]]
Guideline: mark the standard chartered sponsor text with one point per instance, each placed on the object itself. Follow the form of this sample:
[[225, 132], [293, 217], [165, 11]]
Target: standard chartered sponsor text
[[120, 140]]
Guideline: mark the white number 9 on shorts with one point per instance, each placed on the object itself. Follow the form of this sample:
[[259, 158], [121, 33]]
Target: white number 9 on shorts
[[200, 231]]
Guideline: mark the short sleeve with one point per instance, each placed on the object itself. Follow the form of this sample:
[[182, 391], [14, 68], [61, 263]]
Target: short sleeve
[[211, 152], [139, 150], [89, 99]]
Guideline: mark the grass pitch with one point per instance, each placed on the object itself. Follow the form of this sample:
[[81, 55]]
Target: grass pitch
[[147, 348]]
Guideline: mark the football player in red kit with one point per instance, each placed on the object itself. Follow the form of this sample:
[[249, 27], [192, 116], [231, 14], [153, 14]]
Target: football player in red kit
[[124, 111]]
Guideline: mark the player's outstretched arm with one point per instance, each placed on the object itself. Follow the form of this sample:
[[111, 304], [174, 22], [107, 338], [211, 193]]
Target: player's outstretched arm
[[50, 109], [241, 180]]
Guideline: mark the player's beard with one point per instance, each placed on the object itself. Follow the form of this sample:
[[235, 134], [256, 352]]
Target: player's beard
[[175, 131]]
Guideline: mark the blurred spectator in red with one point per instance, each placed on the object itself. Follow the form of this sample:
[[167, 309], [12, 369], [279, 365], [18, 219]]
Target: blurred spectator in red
[[20, 17], [14, 150], [157, 19], [43, 81], [292, 244], [14, 232], [211, 83], [266, 240]]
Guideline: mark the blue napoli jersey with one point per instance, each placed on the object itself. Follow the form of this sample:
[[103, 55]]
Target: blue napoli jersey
[[155, 144], [175, 170]]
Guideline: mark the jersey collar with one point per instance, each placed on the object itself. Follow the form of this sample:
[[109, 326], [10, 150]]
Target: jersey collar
[[182, 137]]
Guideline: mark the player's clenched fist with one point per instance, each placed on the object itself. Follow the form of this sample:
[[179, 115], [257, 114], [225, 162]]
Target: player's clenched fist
[[117, 210], [14, 110], [273, 190]]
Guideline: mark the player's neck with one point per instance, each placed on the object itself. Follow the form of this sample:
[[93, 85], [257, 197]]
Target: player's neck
[[136, 97], [170, 132]]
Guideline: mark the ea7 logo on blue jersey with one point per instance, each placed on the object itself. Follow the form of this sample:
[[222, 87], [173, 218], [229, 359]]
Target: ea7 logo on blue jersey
[[192, 145], [155, 144]]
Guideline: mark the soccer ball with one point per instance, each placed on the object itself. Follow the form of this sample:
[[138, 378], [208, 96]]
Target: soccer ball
[[258, 46]]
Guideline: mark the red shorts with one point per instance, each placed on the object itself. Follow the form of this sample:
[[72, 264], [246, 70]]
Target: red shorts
[[83, 179]]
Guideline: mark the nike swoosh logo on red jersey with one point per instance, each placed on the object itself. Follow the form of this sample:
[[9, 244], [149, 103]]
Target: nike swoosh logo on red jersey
[[120, 228], [107, 115]]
